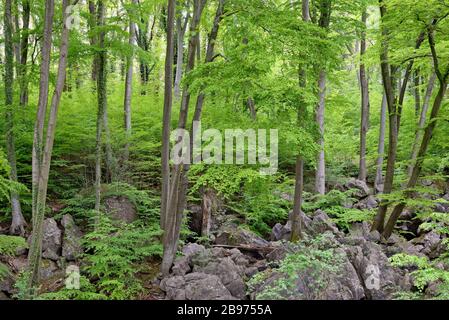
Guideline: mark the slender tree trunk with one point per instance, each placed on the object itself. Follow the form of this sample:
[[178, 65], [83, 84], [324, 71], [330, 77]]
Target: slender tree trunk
[[417, 92], [181, 28], [18, 222], [420, 159], [92, 40], [34, 255], [395, 111], [24, 53], [251, 107], [364, 122], [101, 97], [128, 88], [168, 103], [325, 7], [421, 124], [296, 219], [179, 182], [378, 183], [320, 179], [43, 99]]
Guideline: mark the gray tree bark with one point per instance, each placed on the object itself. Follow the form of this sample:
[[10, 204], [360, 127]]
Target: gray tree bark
[[378, 183], [34, 255], [42, 100], [128, 89], [421, 123], [24, 53], [296, 220], [18, 222], [181, 27], [364, 119], [101, 100]]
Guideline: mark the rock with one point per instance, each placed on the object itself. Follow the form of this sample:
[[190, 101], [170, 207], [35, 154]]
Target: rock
[[71, 242], [233, 235], [322, 223], [363, 230], [229, 275], [51, 240], [49, 269], [362, 189], [3, 296], [283, 232], [443, 206], [195, 218], [431, 243], [342, 283], [369, 203], [120, 208], [195, 286], [379, 278]]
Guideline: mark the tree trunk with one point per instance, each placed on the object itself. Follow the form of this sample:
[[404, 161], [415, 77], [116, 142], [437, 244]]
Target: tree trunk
[[42, 100], [421, 123], [18, 222], [296, 219], [325, 7], [93, 42], [24, 53], [428, 133], [101, 99], [128, 89], [34, 255], [417, 93], [364, 122], [181, 28], [378, 183], [394, 110], [168, 103], [320, 179]]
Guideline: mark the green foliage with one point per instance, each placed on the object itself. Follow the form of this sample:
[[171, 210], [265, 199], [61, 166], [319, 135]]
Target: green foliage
[[427, 272], [10, 244], [113, 250], [86, 292], [309, 264], [4, 271], [255, 197], [333, 203]]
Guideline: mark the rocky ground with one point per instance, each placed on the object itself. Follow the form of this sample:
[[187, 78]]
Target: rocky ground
[[235, 255]]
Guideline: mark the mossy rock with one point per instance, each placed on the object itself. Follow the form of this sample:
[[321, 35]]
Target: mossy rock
[[12, 245]]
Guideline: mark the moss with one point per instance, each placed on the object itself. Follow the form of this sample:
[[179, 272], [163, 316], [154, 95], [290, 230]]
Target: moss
[[9, 245]]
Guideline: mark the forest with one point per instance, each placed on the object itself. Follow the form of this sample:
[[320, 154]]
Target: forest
[[224, 150]]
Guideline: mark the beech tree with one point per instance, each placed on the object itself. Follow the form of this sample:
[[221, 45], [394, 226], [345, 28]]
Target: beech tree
[[18, 222], [35, 252]]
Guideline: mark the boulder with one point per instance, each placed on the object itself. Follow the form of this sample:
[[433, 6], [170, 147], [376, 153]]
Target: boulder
[[322, 223], [361, 188], [431, 243], [369, 203], [342, 283], [51, 240], [232, 234], [229, 274], [195, 286], [283, 232], [379, 279], [120, 208], [71, 242]]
